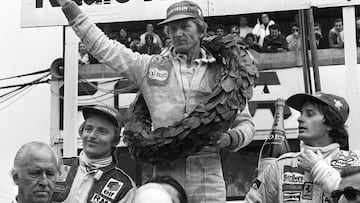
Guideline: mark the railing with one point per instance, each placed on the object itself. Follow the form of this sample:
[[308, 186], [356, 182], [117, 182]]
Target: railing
[[264, 61]]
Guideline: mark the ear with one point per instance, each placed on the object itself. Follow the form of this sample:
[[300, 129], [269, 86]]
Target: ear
[[328, 128], [15, 176], [81, 128]]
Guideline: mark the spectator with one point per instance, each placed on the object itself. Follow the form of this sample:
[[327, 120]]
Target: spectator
[[294, 39], [172, 85], [149, 47], [275, 42], [234, 29], [173, 187], [250, 41], [311, 174], [150, 30], [135, 43], [261, 29], [36, 167], [349, 189], [357, 22], [220, 30], [336, 35], [244, 28], [94, 175], [83, 54], [321, 42], [113, 36], [123, 38]]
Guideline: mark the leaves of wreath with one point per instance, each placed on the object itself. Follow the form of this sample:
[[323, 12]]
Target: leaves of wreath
[[209, 119]]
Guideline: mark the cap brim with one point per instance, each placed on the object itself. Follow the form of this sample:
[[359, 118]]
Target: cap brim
[[175, 18], [88, 110], [298, 100]]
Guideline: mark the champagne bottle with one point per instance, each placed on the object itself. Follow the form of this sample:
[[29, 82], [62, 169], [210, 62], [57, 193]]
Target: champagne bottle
[[276, 143]]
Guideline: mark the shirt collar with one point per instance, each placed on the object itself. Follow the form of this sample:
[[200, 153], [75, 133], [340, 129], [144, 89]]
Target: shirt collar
[[205, 56], [324, 150]]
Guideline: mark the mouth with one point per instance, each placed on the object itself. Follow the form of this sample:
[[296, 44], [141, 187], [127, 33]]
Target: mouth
[[42, 193], [91, 143], [302, 129]]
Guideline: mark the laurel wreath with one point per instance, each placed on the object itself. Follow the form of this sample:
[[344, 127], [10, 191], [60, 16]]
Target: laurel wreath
[[208, 121]]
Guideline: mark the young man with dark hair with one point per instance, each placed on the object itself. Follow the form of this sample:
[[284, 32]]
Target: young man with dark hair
[[336, 35], [313, 173], [275, 42]]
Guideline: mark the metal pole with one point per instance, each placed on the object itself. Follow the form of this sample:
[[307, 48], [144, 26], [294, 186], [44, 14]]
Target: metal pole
[[70, 93], [304, 53], [313, 49], [352, 76]]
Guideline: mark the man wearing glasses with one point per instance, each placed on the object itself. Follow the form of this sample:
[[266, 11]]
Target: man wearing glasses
[[349, 189]]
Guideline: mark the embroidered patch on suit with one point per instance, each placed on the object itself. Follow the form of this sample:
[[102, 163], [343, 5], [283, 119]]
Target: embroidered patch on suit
[[342, 161], [291, 196], [308, 190], [96, 198], [112, 188]]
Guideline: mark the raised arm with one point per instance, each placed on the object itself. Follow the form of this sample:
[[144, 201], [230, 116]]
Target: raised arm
[[109, 52]]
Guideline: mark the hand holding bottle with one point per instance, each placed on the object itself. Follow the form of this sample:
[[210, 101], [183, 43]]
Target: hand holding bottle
[[307, 159]]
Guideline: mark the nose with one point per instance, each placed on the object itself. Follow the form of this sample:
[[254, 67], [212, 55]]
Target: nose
[[43, 180], [178, 32], [90, 133], [300, 119]]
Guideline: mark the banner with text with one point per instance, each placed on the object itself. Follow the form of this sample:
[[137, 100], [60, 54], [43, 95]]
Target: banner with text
[[36, 13]]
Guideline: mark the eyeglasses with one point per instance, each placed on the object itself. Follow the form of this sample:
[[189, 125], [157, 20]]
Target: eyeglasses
[[349, 192], [295, 30]]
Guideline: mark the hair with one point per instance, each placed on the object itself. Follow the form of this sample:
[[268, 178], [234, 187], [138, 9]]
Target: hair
[[117, 137], [332, 119], [349, 171], [201, 25], [27, 149], [338, 20], [294, 24], [250, 35], [220, 26], [149, 36], [234, 26], [274, 27], [318, 25], [173, 183]]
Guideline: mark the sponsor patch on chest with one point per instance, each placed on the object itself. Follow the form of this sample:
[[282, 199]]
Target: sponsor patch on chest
[[291, 196], [157, 74], [293, 175], [96, 198], [341, 161], [159, 69], [112, 188]]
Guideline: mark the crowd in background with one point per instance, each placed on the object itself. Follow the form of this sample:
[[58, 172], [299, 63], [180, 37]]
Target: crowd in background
[[265, 37]]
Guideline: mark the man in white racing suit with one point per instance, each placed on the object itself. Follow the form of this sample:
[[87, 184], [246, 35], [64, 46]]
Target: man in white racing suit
[[312, 174]]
